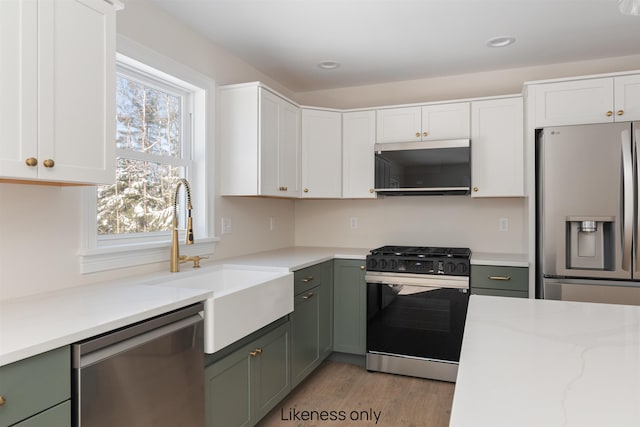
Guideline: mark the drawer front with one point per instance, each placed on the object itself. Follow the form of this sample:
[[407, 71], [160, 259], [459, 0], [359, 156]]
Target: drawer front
[[499, 277], [58, 416], [500, 292], [309, 277], [34, 384]]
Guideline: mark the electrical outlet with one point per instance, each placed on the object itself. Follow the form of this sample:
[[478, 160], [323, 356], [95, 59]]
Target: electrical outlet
[[227, 226], [503, 224], [354, 222]]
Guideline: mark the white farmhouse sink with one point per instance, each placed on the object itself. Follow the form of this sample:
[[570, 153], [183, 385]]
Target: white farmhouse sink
[[245, 298]]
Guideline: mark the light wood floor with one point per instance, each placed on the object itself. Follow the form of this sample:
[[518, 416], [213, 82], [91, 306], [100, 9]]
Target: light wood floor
[[334, 386]]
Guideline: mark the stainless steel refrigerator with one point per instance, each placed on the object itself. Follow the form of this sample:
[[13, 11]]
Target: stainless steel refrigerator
[[587, 213]]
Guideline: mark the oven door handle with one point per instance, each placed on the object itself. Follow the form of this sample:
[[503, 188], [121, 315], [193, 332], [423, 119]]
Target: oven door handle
[[425, 281]]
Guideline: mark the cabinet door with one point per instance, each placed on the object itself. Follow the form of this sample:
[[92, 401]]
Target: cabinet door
[[358, 160], [271, 381], [228, 388], [76, 88], [305, 319], [325, 321], [349, 309], [627, 98], [445, 121], [573, 102], [269, 135], [321, 153], [289, 149], [18, 86], [497, 155], [399, 124]]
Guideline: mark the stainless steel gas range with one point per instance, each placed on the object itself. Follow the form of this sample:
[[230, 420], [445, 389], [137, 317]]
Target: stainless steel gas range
[[417, 300]]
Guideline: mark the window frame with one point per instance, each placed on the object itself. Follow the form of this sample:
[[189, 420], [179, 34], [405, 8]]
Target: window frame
[[100, 253]]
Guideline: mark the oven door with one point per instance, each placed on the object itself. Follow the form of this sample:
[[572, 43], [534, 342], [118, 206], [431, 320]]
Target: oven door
[[409, 318]]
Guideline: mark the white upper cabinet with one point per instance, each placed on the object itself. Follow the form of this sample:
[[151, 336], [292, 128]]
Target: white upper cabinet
[[627, 98], [321, 150], [497, 148], [57, 75], [260, 142], [399, 124], [445, 121], [358, 140], [598, 100], [429, 122]]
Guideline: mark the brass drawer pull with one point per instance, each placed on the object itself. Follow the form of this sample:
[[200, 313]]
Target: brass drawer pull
[[499, 278], [255, 352], [308, 296], [308, 279]]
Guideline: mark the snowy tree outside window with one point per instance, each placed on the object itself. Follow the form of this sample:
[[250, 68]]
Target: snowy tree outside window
[[151, 130]]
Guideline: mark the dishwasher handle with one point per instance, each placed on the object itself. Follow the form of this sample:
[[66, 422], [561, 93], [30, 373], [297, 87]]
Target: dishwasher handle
[[133, 342]]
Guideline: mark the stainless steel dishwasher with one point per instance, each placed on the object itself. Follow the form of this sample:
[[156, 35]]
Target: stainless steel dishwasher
[[150, 374]]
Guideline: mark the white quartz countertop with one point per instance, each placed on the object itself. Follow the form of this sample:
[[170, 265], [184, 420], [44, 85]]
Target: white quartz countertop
[[499, 259], [298, 257], [39, 323], [543, 363]]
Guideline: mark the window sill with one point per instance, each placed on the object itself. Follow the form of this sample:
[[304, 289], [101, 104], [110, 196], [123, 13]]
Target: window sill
[[114, 257]]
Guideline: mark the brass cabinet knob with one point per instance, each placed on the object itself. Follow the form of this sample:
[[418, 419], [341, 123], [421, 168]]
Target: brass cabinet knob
[[306, 190], [620, 112], [425, 133], [417, 134], [31, 161], [2, 400], [475, 189], [609, 113], [371, 190], [49, 163], [362, 267]]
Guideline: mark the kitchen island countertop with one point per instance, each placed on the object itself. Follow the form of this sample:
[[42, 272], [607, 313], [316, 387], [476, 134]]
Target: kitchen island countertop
[[548, 363]]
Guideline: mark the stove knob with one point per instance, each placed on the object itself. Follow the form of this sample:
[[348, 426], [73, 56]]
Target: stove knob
[[382, 264], [450, 268], [371, 264]]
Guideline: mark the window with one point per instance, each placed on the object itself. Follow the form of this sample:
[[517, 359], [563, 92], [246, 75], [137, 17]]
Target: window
[[161, 128]]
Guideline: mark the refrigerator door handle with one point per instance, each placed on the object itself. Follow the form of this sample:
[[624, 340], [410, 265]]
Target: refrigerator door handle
[[627, 201], [635, 132]]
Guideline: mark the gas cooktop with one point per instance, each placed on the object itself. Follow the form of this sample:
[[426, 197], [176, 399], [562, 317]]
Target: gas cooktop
[[420, 260]]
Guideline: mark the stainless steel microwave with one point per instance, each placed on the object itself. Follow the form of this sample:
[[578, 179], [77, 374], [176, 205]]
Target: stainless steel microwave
[[423, 168]]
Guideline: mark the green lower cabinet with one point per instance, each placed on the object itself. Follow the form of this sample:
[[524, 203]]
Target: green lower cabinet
[[500, 281], [58, 416], [32, 386], [245, 385], [349, 307], [311, 321]]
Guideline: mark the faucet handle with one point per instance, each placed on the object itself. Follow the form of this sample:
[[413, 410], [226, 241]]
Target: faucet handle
[[196, 259]]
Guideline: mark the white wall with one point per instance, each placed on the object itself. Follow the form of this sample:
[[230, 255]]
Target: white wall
[[458, 221], [489, 83]]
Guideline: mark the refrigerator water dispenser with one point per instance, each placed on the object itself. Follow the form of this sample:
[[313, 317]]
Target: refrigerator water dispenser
[[590, 243]]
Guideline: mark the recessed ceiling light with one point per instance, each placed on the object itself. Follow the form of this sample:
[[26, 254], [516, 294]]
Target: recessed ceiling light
[[501, 41], [329, 65]]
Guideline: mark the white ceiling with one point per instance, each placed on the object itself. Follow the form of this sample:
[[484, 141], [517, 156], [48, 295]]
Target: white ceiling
[[378, 41]]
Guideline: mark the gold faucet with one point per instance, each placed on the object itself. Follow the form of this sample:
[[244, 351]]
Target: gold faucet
[[176, 259]]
